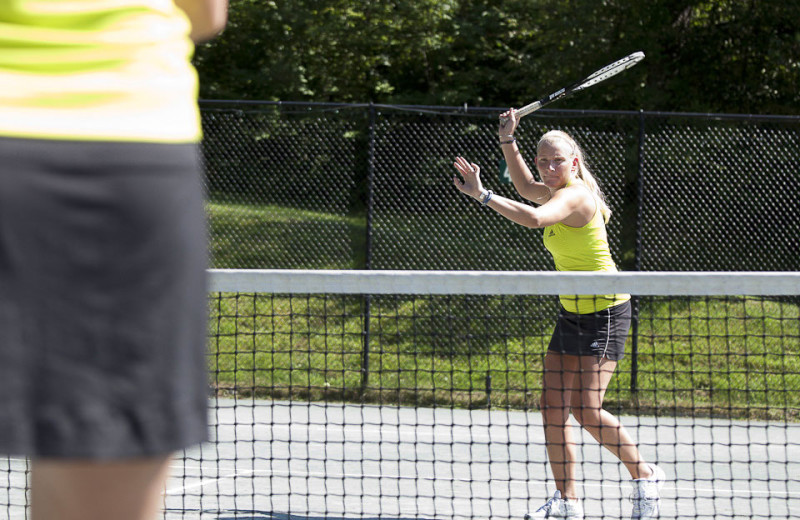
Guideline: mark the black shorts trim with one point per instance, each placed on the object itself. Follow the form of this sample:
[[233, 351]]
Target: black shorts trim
[[599, 334]]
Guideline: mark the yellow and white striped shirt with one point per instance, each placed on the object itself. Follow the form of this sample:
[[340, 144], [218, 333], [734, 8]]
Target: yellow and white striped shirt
[[98, 70]]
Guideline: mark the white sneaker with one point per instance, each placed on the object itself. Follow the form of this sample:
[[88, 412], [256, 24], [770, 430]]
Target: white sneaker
[[558, 507], [645, 497]]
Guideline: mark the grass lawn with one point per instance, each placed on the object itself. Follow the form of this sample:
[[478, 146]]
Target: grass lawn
[[251, 236], [733, 357]]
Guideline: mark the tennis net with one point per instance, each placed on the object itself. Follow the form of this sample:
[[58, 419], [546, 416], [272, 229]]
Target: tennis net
[[415, 394]]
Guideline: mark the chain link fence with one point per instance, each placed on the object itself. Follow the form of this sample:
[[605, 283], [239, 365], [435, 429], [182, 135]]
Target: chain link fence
[[719, 193], [367, 186], [318, 186]]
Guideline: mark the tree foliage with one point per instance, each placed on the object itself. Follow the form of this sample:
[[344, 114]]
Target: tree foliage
[[740, 56]]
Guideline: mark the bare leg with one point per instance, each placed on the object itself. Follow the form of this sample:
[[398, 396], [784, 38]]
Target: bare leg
[[587, 408], [91, 490], [560, 376]]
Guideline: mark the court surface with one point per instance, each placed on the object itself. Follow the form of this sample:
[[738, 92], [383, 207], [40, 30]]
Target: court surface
[[302, 460], [299, 460]]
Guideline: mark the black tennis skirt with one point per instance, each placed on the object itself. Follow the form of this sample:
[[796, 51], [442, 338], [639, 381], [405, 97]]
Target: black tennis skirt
[[599, 334], [103, 302]]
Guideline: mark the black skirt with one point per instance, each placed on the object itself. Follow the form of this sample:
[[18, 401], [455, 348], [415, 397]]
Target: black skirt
[[599, 334], [103, 302]]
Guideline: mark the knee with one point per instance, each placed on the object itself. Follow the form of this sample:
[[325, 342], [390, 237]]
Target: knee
[[588, 417], [553, 407]]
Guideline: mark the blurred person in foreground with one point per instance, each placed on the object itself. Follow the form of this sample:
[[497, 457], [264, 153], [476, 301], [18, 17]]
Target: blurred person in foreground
[[102, 249], [590, 332]]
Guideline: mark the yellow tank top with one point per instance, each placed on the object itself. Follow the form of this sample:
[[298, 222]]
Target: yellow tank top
[[110, 70], [583, 249]]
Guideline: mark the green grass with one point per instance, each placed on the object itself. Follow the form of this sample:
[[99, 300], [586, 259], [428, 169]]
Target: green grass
[[722, 356], [736, 357], [252, 236], [245, 235]]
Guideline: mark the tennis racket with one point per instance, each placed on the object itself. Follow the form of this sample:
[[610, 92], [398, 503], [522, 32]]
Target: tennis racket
[[601, 75]]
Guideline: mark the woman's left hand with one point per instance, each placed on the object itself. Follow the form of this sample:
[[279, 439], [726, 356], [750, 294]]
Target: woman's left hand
[[471, 173]]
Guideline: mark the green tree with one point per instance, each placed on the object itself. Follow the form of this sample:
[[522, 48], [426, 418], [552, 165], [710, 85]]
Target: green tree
[[709, 55]]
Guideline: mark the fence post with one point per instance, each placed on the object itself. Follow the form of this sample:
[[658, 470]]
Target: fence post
[[637, 253], [368, 247]]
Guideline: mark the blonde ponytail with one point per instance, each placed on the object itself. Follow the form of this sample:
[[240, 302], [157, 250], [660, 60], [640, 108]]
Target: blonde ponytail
[[584, 174]]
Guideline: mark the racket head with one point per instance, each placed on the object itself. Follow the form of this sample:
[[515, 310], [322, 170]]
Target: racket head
[[610, 70]]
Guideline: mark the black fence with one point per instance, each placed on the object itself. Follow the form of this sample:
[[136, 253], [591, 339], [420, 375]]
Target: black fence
[[321, 186], [299, 185]]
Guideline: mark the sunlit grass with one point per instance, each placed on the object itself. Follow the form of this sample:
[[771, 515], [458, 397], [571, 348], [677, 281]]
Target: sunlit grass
[[253, 236], [734, 357]]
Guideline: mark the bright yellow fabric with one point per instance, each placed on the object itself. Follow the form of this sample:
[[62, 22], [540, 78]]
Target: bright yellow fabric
[[116, 70], [583, 249]]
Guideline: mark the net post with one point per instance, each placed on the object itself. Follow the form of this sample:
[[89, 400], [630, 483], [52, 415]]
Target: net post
[[365, 347], [637, 264], [635, 350], [370, 187], [368, 246], [488, 386]]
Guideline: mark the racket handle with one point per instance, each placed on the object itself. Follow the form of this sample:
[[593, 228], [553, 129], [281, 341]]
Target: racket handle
[[527, 109]]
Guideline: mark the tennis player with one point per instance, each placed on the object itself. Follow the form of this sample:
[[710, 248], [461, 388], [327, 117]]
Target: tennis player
[[103, 302], [589, 336]]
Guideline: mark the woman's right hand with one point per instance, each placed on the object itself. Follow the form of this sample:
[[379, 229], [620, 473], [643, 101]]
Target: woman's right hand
[[508, 123]]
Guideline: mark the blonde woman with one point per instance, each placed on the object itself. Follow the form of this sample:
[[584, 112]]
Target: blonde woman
[[590, 332]]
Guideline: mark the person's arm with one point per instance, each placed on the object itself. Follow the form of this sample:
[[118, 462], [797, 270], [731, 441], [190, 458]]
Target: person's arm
[[208, 17], [566, 204], [525, 183]]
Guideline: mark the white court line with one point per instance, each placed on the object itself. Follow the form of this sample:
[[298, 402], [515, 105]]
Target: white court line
[[294, 474], [484, 432], [487, 432], [202, 483]]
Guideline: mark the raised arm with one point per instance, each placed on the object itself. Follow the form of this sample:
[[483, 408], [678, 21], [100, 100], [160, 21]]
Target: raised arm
[[525, 183], [570, 205], [208, 17]]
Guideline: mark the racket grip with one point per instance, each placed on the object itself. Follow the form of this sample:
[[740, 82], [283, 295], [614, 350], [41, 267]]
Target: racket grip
[[527, 109]]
